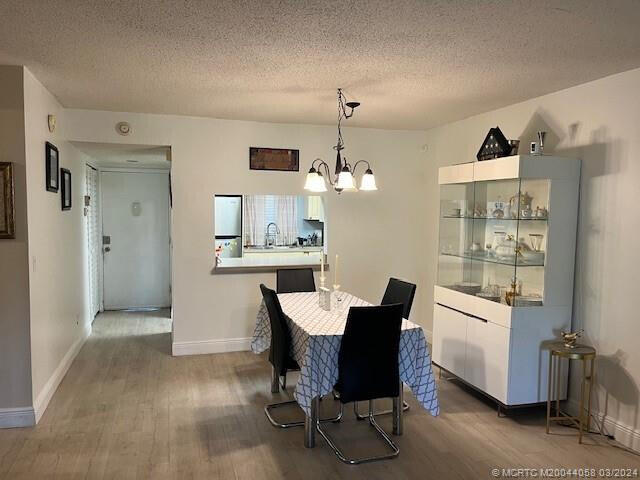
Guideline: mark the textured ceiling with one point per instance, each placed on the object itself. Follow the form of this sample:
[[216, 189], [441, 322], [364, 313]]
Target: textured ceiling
[[126, 155], [413, 63]]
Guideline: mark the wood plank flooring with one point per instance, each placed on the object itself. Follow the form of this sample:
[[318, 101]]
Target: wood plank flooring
[[127, 409]]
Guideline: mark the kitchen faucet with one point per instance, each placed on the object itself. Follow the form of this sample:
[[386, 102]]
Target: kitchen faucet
[[272, 236]]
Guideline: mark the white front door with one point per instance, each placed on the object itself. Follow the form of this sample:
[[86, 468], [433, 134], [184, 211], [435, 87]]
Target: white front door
[[135, 229]]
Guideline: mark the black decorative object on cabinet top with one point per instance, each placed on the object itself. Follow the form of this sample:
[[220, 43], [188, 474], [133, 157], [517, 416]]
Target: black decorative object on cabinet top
[[495, 145]]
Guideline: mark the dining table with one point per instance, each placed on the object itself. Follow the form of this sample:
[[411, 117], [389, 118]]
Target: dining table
[[316, 335]]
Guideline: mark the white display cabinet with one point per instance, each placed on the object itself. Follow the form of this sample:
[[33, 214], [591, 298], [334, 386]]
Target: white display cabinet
[[507, 234]]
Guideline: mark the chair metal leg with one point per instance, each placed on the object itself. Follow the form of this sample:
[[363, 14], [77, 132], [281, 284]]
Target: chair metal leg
[[398, 421], [275, 382], [357, 461], [275, 423], [267, 412], [405, 407]]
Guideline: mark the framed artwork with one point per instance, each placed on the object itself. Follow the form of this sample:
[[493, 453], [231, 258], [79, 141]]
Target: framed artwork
[[52, 160], [283, 159], [7, 211], [65, 181]]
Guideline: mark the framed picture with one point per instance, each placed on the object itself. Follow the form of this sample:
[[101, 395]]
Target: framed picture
[[283, 159], [65, 180], [52, 160], [7, 211]]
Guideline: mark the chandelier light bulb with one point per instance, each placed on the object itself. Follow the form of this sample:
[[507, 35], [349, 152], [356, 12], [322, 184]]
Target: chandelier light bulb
[[319, 185], [345, 180], [309, 183], [368, 182]]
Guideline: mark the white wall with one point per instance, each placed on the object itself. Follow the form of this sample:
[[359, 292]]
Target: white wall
[[377, 234], [599, 123], [58, 282], [15, 376], [389, 232]]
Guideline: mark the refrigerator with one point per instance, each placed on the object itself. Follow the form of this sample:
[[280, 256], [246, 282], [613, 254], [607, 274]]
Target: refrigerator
[[228, 224]]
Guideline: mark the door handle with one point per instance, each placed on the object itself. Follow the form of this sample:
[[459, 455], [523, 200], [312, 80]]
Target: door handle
[[107, 249], [477, 318]]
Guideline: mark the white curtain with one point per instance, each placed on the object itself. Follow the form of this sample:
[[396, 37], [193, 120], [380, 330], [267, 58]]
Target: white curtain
[[254, 219], [287, 218]]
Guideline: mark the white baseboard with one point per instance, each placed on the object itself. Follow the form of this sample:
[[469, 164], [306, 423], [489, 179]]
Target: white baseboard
[[625, 434], [44, 397], [211, 346], [17, 417]]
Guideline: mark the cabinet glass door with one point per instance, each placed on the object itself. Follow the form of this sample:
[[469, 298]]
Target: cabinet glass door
[[456, 230], [493, 238], [495, 228], [509, 229], [532, 236]]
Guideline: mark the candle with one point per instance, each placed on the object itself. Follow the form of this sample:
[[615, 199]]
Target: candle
[[335, 273]]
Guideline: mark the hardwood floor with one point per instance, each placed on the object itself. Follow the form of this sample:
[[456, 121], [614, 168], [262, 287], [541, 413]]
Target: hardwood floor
[[127, 409]]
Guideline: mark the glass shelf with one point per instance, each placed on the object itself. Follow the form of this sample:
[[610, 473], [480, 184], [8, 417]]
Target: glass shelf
[[497, 261], [479, 218]]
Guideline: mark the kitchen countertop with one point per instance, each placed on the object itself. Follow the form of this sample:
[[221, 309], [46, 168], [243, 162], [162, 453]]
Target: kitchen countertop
[[282, 249], [268, 263]]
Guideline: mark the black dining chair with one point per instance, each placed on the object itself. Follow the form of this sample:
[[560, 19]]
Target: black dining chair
[[368, 366], [279, 356], [397, 291], [293, 280]]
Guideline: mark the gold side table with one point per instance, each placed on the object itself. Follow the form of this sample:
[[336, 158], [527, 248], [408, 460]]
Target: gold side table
[[558, 351]]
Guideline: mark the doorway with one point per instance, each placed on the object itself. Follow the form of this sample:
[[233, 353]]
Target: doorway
[[135, 239], [127, 210]]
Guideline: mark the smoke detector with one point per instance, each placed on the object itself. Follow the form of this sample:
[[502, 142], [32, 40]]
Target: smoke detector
[[123, 128]]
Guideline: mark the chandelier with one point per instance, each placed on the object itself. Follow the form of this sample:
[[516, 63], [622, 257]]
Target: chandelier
[[344, 171]]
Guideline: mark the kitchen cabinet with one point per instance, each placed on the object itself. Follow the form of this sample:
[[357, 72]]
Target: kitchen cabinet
[[314, 208], [507, 234], [450, 342], [487, 357], [505, 363]]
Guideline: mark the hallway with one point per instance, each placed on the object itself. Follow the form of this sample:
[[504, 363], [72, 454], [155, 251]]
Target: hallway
[[127, 409]]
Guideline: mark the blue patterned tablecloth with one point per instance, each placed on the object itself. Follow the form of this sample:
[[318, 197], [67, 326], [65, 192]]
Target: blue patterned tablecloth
[[316, 335]]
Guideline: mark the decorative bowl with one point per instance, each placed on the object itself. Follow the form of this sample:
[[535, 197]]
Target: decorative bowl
[[489, 296], [470, 288]]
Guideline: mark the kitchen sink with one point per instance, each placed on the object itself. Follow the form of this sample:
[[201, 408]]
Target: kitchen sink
[[276, 247], [270, 247]]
